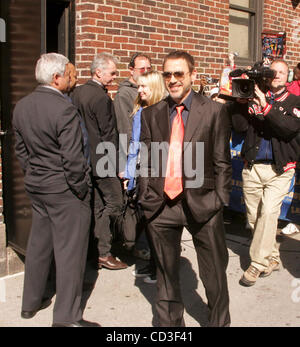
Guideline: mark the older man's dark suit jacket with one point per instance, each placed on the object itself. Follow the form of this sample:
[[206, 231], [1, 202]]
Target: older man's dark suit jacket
[[96, 108], [49, 143], [49, 146], [208, 122]]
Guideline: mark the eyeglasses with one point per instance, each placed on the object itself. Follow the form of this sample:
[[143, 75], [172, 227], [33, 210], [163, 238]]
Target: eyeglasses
[[143, 69], [179, 75]]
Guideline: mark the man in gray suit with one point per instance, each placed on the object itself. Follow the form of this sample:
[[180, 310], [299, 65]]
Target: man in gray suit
[[49, 147]]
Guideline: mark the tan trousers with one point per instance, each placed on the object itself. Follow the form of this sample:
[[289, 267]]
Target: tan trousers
[[264, 191]]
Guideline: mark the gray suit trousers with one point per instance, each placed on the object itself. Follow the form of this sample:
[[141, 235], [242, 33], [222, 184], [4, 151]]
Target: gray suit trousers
[[60, 225]]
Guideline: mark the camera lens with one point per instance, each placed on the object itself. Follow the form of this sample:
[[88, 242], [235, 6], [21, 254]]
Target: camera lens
[[243, 88]]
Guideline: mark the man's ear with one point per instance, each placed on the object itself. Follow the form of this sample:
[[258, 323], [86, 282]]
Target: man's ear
[[131, 70], [55, 79], [98, 73], [194, 75]]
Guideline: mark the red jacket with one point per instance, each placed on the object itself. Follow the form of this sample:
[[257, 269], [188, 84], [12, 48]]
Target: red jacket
[[294, 87]]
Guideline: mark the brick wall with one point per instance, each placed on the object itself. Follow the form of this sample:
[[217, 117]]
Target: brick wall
[[201, 27], [280, 15], [123, 27]]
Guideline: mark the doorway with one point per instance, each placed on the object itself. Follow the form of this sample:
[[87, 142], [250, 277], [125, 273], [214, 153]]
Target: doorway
[[58, 27]]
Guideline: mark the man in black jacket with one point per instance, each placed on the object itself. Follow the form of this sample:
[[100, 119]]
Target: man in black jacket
[[96, 108], [270, 151], [172, 198]]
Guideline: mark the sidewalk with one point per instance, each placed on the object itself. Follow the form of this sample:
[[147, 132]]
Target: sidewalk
[[118, 299]]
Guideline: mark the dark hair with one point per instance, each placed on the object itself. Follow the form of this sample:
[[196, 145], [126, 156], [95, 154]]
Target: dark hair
[[298, 66], [137, 55], [181, 55]]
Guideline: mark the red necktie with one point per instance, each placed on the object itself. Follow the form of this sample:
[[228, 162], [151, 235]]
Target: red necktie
[[173, 181]]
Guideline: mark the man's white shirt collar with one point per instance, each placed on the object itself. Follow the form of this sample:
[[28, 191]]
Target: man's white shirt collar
[[98, 82], [50, 87]]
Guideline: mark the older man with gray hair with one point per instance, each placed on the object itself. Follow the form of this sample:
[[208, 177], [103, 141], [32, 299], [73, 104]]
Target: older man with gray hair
[[97, 111], [49, 148]]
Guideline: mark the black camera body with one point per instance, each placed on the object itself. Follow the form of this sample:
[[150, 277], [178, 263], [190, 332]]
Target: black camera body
[[245, 88]]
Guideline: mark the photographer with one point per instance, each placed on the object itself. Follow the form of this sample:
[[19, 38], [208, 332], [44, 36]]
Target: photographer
[[270, 122]]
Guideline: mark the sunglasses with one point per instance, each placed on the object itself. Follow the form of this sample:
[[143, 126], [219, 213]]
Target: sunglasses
[[143, 69], [179, 75]]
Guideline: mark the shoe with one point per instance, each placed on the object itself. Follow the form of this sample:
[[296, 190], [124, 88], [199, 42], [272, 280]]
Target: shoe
[[290, 229], [30, 314], [150, 279], [250, 276], [273, 266], [248, 226], [143, 272], [111, 263], [141, 253], [82, 323]]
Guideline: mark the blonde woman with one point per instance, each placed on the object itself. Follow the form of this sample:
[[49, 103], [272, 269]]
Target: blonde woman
[[151, 89]]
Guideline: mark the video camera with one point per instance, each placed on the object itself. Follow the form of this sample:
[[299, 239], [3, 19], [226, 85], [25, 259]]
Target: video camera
[[245, 88]]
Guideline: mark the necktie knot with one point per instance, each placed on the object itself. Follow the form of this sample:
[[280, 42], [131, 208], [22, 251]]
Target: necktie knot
[[179, 109]]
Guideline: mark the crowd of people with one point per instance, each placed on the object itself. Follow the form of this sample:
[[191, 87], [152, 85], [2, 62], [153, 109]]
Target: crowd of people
[[68, 144]]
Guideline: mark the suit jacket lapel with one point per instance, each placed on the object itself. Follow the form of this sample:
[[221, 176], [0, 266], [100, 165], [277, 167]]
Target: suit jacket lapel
[[196, 117], [162, 119]]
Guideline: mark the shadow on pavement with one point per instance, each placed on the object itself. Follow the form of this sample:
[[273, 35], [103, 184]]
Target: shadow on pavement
[[290, 254], [239, 239], [90, 279], [193, 303]]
